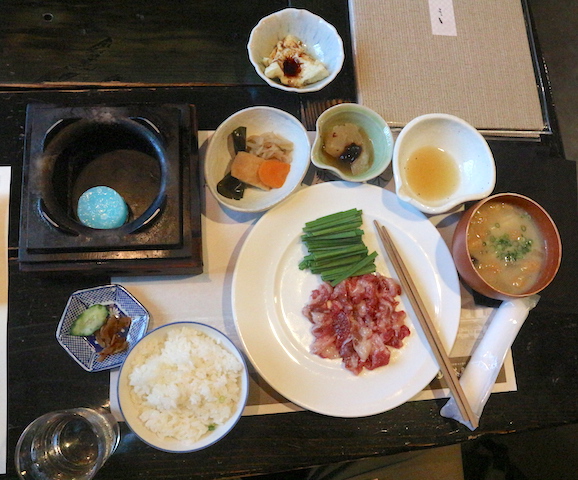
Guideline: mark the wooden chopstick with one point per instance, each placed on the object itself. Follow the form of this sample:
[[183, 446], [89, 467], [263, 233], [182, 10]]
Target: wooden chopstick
[[427, 326]]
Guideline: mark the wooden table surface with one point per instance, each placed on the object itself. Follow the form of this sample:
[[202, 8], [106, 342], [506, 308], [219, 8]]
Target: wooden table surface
[[193, 52]]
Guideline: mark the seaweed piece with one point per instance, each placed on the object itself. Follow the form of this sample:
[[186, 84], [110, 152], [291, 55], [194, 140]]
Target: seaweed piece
[[239, 139], [231, 187], [351, 153]]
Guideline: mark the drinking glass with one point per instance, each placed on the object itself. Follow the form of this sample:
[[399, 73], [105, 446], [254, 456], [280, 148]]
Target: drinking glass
[[66, 445]]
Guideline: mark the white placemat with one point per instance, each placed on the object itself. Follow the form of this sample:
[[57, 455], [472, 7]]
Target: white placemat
[[206, 298]]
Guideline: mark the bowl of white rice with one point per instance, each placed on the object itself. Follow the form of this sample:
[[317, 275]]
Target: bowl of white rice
[[183, 387]]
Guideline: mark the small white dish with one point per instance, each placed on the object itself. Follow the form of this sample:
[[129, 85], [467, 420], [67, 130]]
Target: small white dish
[[320, 38], [258, 120], [462, 142], [130, 410], [374, 126]]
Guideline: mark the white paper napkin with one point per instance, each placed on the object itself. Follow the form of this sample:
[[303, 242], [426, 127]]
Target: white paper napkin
[[4, 204], [480, 374]]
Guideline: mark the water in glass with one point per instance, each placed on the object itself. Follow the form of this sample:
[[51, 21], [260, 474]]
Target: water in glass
[[66, 445]]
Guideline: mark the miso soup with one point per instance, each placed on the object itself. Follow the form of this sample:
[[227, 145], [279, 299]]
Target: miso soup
[[506, 247]]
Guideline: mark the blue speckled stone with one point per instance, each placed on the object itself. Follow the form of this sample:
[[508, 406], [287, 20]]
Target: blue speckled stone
[[102, 208]]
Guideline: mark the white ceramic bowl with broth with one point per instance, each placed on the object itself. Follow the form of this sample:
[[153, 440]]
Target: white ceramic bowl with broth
[[321, 40], [258, 120], [440, 161], [375, 131]]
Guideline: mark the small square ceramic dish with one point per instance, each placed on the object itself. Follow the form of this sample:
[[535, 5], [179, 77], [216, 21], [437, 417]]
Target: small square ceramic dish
[[84, 349], [257, 120], [440, 161], [183, 387], [320, 39], [374, 131]]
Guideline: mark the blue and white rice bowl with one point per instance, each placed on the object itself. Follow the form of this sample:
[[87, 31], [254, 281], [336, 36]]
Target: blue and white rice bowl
[[203, 378]]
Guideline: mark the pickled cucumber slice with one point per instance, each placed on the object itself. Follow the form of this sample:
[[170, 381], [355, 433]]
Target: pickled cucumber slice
[[89, 321]]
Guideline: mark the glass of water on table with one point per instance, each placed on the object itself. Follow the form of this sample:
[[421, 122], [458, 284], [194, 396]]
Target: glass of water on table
[[67, 444]]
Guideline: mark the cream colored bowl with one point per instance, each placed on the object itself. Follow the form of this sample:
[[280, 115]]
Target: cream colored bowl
[[475, 161], [374, 126], [320, 38]]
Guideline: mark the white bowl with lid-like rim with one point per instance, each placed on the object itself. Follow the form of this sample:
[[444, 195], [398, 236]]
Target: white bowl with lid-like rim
[[463, 142], [321, 40]]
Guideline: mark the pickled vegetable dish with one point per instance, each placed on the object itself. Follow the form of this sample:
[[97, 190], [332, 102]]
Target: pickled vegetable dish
[[261, 161], [506, 247], [108, 326]]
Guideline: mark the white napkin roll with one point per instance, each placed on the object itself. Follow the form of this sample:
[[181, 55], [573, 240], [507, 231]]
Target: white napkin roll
[[481, 372]]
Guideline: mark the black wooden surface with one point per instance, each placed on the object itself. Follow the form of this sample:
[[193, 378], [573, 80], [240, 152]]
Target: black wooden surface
[[37, 49], [108, 41], [139, 42]]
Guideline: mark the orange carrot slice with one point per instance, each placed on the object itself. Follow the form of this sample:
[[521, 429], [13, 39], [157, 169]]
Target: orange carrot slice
[[273, 173]]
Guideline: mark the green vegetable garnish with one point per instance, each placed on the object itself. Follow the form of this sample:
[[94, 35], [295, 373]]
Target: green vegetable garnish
[[211, 427], [511, 250], [336, 248]]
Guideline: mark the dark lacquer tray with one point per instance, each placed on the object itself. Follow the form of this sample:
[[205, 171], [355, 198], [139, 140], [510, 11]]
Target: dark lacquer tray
[[146, 152]]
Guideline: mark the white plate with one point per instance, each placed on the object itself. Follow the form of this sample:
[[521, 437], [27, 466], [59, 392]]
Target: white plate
[[269, 292]]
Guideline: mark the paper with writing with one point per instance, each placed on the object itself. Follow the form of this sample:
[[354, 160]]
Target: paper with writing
[[443, 20]]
